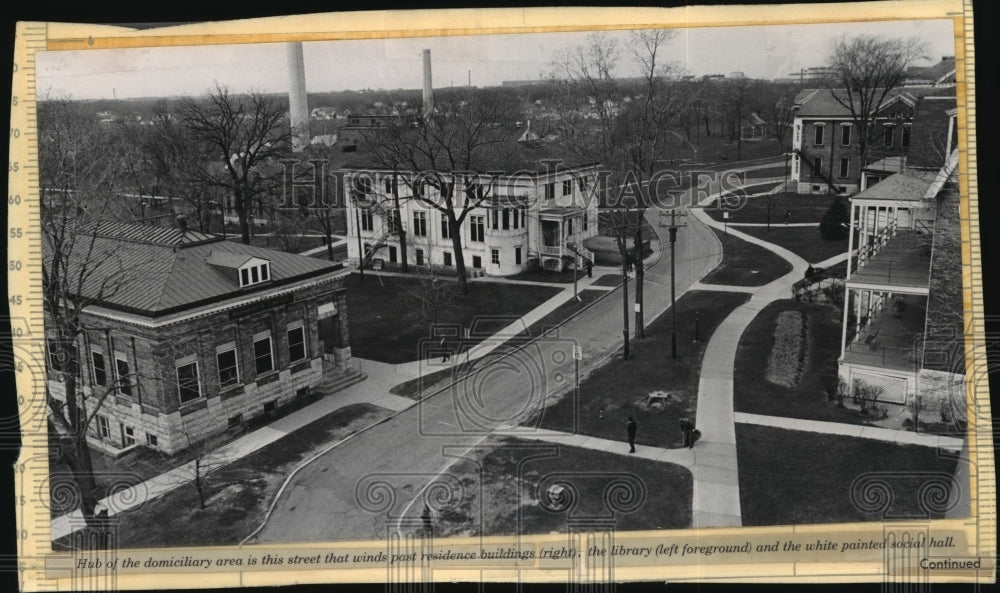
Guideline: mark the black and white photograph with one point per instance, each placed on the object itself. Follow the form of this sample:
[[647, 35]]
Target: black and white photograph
[[517, 301]]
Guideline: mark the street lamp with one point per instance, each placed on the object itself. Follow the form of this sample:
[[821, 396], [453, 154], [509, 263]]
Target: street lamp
[[673, 291]]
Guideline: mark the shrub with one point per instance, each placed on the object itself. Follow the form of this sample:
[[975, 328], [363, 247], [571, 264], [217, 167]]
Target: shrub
[[834, 223]]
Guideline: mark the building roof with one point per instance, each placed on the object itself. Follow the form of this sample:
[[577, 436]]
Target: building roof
[[939, 73], [153, 271], [823, 102], [909, 185], [891, 164], [929, 139]]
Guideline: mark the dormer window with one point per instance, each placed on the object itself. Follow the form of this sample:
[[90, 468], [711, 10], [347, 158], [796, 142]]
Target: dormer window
[[255, 272]]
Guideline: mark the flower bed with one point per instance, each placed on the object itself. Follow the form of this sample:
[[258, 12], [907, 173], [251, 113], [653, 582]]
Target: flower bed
[[788, 355]]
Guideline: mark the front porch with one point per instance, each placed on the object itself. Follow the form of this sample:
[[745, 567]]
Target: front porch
[[902, 259], [890, 335], [561, 229]]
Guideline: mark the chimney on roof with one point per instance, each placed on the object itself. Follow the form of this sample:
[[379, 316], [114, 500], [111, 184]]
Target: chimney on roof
[[182, 223], [428, 85], [297, 103]]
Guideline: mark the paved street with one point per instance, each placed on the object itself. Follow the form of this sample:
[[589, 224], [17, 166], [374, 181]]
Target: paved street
[[324, 502]]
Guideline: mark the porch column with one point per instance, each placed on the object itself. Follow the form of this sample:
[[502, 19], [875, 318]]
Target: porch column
[[850, 251]]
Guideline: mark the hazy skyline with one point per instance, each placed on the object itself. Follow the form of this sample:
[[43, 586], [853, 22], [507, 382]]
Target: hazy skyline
[[759, 51]]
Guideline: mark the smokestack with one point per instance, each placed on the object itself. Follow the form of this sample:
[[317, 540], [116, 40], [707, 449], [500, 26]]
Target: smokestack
[[297, 105], [428, 85]]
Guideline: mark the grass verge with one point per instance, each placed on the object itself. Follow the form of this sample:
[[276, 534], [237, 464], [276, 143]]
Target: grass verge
[[387, 323], [802, 208], [808, 399], [509, 494], [236, 496], [805, 242], [746, 264], [620, 388], [790, 477]]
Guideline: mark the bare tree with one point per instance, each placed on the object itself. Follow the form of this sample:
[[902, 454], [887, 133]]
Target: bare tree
[[240, 138], [625, 127], [868, 68], [451, 160], [738, 98], [79, 173]]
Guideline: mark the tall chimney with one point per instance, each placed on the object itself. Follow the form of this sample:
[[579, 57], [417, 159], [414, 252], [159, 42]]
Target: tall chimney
[[428, 85], [297, 105]]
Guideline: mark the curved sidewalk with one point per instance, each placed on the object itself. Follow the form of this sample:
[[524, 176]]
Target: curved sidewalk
[[716, 497]]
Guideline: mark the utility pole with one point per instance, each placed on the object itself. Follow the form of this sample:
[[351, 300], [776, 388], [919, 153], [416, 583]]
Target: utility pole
[[361, 253], [623, 236], [673, 283]]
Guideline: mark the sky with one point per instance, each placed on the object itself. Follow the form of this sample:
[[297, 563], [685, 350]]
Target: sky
[[759, 51]]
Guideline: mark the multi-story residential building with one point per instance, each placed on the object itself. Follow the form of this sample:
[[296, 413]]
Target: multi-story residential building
[[538, 212], [825, 139], [199, 334], [901, 289]]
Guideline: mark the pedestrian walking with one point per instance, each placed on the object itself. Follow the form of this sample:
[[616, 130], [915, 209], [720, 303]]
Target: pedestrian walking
[[687, 427], [788, 214], [445, 353], [631, 434], [589, 265]]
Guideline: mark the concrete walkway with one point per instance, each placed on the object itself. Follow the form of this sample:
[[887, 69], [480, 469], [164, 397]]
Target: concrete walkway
[[716, 476], [683, 456], [900, 437], [337, 242]]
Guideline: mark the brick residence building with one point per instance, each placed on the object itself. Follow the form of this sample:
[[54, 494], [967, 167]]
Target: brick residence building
[[825, 141], [199, 335]]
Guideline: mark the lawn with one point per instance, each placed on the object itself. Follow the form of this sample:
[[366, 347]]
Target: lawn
[[540, 275], [236, 496], [608, 280], [806, 242], [427, 384], [509, 494], [388, 323], [802, 208], [619, 389], [808, 399], [790, 477], [746, 264]]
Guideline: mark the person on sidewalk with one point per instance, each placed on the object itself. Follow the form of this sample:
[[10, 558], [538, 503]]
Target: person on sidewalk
[[589, 265], [445, 353], [687, 427], [631, 434]]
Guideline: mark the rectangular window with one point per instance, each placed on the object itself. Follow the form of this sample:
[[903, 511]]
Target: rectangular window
[[367, 220], [495, 257], [263, 359], [244, 277], [817, 165], [477, 261], [506, 218], [254, 275], [569, 226], [447, 189], [550, 191], [887, 136], [128, 435], [264, 273], [151, 440], [524, 217], [103, 427], [420, 224], [228, 371], [447, 258], [567, 187], [517, 255], [419, 255], [477, 226], [819, 135], [124, 376], [516, 218], [583, 184], [445, 229], [187, 382], [906, 136], [496, 219], [235, 421], [845, 166], [845, 135], [585, 221], [296, 344], [100, 371]]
